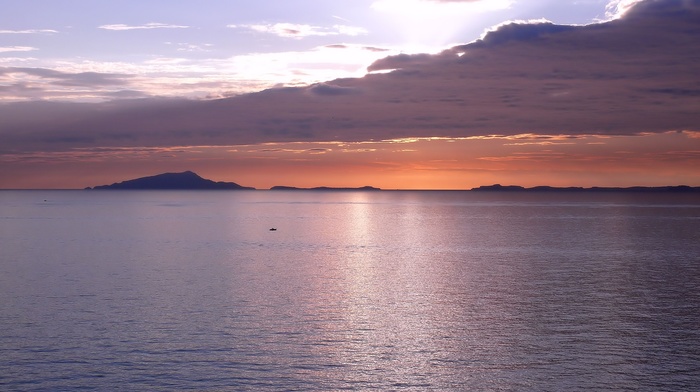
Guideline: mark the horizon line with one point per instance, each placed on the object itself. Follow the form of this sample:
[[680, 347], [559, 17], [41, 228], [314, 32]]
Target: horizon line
[[481, 188]]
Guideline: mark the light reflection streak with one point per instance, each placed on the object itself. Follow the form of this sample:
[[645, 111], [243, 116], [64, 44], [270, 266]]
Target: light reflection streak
[[401, 334]]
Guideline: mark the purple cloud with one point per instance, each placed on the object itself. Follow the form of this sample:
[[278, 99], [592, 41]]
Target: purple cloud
[[29, 31], [632, 75], [70, 79], [329, 89], [298, 31], [147, 26], [32, 82], [519, 31]]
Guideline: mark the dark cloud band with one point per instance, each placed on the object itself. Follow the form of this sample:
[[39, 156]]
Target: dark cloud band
[[628, 76]]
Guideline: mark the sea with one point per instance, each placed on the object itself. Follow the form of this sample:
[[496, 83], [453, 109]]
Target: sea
[[357, 291]]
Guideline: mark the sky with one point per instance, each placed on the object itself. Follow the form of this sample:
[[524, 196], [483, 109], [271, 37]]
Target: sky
[[398, 94]]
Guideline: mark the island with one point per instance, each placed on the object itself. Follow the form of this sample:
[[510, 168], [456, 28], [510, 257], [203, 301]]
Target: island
[[189, 180], [173, 181], [634, 189]]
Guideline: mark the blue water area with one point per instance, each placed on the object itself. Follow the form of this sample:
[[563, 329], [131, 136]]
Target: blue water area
[[392, 290]]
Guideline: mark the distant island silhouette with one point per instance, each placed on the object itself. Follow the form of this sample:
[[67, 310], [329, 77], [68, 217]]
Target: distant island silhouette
[[189, 180], [176, 181], [543, 188]]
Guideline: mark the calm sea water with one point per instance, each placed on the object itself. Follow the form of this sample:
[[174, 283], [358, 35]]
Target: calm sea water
[[105, 290]]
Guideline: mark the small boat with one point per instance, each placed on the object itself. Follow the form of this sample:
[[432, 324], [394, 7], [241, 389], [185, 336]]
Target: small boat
[[273, 229]]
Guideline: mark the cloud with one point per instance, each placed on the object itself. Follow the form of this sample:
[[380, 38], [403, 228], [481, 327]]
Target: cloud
[[25, 82], [521, 31], [636, 74], [367, 48], [69, 79], [329, 89], [4, 49], [126, 94], [32, 31], [199, 78], [659, 8], [185, 47], [375, 49], [617, 8], [147, 26], [299, 31], [400, 61]]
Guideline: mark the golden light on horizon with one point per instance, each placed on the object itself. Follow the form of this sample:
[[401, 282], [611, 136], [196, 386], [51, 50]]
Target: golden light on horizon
[[669, 158]]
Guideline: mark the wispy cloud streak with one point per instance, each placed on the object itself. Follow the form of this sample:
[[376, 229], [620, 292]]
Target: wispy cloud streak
[[147, 26], [4, 49], [299, 31], [31, 31]]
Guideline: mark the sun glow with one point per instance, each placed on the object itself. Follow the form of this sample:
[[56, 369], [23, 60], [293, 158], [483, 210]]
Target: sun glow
[[197, 78], [434, 23], [616, 8]]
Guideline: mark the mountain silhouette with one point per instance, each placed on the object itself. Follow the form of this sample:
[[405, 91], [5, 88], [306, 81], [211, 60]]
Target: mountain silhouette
[[182, 181], [634, 189]]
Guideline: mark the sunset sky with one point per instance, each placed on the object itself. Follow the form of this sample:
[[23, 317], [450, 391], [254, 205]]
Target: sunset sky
[[398, 94]]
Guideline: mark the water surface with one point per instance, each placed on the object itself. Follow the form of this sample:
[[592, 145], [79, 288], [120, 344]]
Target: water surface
[[165, 290]]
